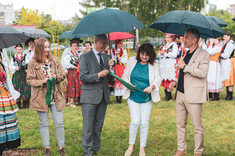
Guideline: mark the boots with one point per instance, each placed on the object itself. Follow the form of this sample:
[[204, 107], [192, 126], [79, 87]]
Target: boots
[[216, 97], [19, 104], [168, 96], [229, 95], [117, 100], [25, 104], [120, 99], [210, 95]]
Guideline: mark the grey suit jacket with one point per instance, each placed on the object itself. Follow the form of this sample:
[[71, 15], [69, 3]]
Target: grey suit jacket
[[93, 88]]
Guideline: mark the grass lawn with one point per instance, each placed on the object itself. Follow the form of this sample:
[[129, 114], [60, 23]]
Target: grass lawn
[[218, 120]]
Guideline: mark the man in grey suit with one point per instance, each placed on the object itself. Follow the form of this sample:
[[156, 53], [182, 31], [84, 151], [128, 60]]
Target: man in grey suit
[[95, 95]]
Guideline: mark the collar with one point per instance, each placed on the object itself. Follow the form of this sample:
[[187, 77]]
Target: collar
[[193, 51], [96, 52]]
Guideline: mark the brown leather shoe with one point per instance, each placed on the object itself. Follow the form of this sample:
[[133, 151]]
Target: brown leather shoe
[[179, 153], [62, 151], [47, 152], [197, 154]]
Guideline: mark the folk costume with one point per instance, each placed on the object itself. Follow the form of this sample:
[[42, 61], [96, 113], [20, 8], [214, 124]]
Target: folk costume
[[228, 67], [69, 63], [214, 74], [167, 66], [9, 131], [19, 78], [119, 70]]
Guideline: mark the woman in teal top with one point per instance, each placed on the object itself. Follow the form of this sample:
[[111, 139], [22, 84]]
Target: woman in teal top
[[142, 72]]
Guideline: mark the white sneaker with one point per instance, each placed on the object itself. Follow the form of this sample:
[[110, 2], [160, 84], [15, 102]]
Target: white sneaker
[[68, 104], [72, 105]]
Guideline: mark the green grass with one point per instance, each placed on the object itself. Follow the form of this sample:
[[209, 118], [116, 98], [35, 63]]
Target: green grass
[[218, 121]]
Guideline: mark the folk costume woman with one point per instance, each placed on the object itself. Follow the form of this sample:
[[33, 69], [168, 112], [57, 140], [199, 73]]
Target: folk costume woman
[[167, 54], [119, 55], [70, 65], [9, 131], [228, 65], [18, 67], [214, 74]]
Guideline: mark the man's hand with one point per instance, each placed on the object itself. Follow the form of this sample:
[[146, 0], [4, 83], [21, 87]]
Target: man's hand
[[111, 63], [172, 85], [181, 63], [103, 73]]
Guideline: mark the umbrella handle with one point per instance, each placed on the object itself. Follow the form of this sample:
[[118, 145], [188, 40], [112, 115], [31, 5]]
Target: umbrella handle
[[184, 39]]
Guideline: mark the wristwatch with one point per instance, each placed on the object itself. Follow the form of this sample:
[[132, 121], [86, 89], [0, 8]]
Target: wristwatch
[[153, 87]]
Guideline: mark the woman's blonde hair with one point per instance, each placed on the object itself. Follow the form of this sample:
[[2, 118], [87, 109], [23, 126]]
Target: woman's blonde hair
[[39, 50]]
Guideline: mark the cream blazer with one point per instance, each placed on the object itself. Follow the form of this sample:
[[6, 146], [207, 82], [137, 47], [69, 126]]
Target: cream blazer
[[154, 78]]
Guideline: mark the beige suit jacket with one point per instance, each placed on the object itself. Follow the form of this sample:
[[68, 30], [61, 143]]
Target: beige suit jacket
[[195, 77]]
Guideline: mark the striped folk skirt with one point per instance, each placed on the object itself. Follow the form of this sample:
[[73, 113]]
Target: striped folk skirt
[[9, 131], [231, 80], [74, 84]]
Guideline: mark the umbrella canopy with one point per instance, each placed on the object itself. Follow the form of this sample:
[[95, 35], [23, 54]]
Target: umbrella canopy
[[218, 21], [233, 19], [34, 32], [10, 36], [105, 21], [119, 36], [215, 26], [177, 21], [68, 34]]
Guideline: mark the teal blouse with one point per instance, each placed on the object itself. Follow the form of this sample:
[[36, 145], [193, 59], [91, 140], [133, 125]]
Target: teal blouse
[[140, 79]]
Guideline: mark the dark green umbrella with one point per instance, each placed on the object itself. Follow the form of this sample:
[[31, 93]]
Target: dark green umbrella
[[176, 22], [215, 27], [233, 19], [68, 34], [218, 20], [10, 36], [105, 21]]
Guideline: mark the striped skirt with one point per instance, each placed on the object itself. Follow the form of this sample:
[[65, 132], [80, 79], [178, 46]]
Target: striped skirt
[[231, 80], [9, 132]]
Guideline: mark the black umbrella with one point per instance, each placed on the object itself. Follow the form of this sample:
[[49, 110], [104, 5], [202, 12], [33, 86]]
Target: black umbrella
[[233, 19], [10, 36]]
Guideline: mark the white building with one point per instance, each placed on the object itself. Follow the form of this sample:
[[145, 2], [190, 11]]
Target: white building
[[8, 15], [231, 9]]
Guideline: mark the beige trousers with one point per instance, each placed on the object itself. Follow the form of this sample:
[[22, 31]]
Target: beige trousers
[[183, 108]]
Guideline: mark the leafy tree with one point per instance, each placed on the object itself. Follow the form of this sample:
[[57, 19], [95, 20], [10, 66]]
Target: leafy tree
[[30, 17]]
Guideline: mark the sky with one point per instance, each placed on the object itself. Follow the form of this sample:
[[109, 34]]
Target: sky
[[65, 9]]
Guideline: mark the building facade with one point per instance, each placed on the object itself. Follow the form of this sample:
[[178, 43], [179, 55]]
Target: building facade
[[8, 15]]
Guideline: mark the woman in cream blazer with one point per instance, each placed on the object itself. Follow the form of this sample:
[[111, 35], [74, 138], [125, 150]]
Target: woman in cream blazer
[[142, 71]]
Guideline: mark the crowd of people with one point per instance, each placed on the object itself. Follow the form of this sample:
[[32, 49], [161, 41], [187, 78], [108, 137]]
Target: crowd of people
[[208, 63]]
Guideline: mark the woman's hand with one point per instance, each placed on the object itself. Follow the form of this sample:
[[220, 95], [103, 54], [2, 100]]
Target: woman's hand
[[148, 90], [17, 68], [45, 80], [161, 52]]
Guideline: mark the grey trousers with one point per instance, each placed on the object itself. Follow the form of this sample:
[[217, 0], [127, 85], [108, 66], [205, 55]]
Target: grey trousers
[[93, 119], [57, 117]]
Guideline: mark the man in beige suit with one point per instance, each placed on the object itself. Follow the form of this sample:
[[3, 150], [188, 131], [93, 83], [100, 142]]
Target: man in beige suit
[[191, 92]]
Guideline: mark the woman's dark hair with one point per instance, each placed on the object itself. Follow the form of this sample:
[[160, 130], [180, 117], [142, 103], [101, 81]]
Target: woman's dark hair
[[19, 45], [73, 42], [228, 33], [148, 49], [88, 43]]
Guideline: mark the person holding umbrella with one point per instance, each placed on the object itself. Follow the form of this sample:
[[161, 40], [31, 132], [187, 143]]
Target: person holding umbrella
[[191, 92], [119, 55], [43, 68], [18, 67], [167, 54], [93, 69], [228, 65]]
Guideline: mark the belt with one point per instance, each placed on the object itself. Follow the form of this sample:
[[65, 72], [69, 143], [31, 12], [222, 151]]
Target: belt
[[71, 69]]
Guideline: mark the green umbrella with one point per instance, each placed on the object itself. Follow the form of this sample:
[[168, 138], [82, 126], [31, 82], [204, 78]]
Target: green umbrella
[[105, 21], [218, 20], [215, 26], [68, 34], [176, 22]]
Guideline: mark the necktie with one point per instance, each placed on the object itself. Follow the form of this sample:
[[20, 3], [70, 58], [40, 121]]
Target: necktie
[[101, 62]]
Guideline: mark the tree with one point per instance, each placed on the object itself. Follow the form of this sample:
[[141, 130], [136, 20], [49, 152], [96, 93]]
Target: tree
[[31, 17]]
